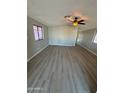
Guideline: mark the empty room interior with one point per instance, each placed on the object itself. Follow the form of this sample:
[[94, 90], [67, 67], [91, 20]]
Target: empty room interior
[[61, 46]]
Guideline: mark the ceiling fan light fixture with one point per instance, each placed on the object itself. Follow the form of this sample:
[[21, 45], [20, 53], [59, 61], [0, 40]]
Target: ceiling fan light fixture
[[75, 20], [75, 24]]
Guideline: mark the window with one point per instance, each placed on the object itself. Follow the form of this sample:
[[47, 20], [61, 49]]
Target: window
[[38, 32], [95, 39]]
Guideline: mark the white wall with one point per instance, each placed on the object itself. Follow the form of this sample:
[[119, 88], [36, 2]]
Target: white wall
[[62, 35], [85, 39], [33, 47]]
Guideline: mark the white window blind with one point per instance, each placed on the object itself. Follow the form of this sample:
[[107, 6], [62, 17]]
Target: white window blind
[[38, 32], [95, 39]]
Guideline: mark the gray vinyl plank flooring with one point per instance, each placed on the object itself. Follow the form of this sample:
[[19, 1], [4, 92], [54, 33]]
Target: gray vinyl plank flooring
[[62, 69]]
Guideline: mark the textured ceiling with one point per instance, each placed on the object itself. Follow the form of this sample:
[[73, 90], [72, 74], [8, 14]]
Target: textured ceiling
[[52, 12]]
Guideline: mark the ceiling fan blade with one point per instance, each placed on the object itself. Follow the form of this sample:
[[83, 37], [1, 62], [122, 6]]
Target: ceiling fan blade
[[66, 16], [82, 23]]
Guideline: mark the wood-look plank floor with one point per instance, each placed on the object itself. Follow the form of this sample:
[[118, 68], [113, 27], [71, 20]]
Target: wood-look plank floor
[[60, 69]]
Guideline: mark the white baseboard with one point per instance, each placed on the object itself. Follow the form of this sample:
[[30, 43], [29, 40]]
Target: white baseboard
[[89, 50], [38, 52], [62, 44]]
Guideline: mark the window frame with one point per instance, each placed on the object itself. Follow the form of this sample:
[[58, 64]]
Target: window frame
[[95, 36], [42, 31]]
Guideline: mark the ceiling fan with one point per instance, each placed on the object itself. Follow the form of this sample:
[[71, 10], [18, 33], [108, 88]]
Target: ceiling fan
[[75, 20]]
